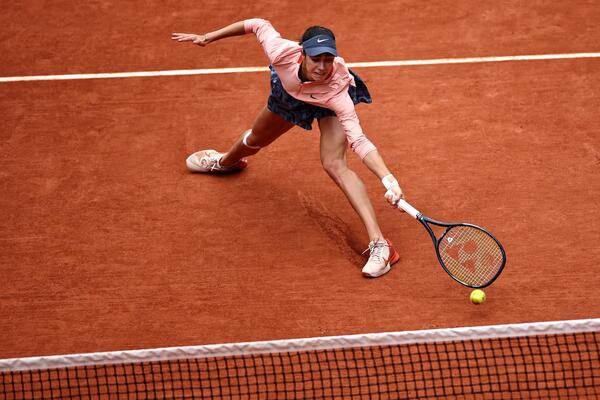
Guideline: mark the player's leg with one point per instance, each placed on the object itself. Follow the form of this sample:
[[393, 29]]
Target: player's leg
[[333, 157], [267, 127]]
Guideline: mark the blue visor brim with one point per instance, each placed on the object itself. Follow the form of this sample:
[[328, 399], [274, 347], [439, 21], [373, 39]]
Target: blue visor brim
[[315, 51]]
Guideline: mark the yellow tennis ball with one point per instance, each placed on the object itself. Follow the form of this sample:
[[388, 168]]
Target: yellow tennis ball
[[477, 296]]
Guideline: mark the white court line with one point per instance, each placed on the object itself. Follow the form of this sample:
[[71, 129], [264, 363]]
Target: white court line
[[217, 71]]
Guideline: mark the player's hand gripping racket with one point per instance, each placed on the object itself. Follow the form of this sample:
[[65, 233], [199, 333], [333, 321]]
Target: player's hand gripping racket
[[468, 253]]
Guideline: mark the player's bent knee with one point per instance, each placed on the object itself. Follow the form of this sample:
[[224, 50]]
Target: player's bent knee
[[335, 168], [245, 141]]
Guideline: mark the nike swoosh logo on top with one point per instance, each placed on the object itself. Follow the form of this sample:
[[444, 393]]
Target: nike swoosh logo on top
[[322, 40], [313, 97]]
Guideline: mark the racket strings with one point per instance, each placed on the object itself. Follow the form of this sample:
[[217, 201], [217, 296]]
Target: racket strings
[[471, 255]]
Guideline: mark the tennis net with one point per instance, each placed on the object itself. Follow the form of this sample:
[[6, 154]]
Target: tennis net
[[549, 360]]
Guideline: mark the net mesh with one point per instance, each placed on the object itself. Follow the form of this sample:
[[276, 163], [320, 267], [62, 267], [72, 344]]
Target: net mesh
[[471, 255], [550, 366]]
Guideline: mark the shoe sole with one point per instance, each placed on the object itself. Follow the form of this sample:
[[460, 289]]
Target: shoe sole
[[395, 258]]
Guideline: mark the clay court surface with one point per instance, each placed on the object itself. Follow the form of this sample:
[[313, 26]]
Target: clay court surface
[[107, 242]]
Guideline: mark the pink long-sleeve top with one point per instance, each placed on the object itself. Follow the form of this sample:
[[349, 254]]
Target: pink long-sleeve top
[[332, 93]]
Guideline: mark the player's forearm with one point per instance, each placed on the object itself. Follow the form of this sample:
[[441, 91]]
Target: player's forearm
[[375, 163], [235, 29]]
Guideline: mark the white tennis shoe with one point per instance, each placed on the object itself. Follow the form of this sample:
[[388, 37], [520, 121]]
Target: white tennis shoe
[[381, 258], [209, 161]]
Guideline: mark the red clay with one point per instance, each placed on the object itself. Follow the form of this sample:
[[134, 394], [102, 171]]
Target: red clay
[[108, 243]]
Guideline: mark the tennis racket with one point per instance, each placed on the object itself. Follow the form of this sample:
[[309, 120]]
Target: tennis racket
[[468, 253]]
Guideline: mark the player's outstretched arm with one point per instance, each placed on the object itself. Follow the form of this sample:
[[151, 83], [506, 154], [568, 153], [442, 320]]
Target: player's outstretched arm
[[235, 29]]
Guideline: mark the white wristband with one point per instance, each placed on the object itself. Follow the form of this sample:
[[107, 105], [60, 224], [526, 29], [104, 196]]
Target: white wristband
[[389, 181]]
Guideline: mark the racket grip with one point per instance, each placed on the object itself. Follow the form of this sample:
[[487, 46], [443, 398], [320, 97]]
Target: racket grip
[[410, 210]]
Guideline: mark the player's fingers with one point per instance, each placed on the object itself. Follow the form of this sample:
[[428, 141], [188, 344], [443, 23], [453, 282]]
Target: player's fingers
[[184, 37], [392, 198]]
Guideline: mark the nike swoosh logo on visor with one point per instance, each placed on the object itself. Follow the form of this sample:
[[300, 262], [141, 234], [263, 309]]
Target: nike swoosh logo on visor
[[321, 41]]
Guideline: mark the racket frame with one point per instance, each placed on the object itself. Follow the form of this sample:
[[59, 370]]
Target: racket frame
[[425, 221]]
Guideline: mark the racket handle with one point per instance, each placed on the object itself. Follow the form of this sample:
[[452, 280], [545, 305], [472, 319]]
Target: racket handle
[[410, 210]]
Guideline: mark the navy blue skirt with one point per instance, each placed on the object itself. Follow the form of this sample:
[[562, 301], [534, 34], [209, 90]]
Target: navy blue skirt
[[303, 114]]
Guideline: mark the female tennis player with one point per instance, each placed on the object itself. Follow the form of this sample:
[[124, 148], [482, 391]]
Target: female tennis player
[[309, 81]]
